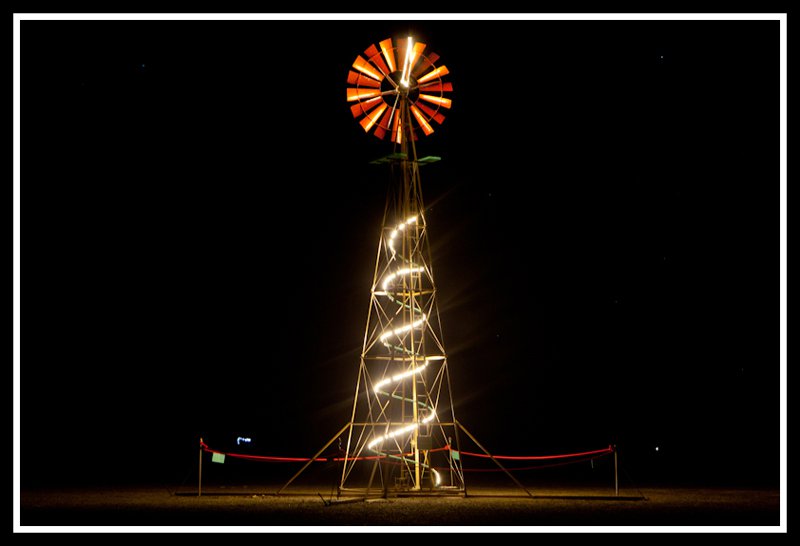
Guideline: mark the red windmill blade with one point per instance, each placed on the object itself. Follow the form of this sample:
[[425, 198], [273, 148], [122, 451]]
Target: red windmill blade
[[388, 78]]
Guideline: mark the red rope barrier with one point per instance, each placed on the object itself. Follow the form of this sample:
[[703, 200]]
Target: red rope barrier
[[609, 449], [269, 458], [535, 467], [259, 457]]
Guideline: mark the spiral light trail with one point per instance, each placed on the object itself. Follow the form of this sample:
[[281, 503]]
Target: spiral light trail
[[387, 338]]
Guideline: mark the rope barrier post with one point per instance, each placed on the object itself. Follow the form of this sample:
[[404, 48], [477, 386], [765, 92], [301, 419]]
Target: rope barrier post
[[460, 462], [616, 473], [200, 471], [384, 477], [450, 456]]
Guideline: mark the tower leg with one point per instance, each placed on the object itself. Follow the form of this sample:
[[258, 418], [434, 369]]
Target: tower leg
[[471, 437], [318, 453]]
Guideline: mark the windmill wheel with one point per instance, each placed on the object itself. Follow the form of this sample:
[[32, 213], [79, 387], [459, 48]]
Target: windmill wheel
[[392, 78]]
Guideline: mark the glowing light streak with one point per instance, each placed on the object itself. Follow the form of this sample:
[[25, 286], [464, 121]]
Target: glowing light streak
[[400, 431], [391, 114], [409, 268], [406, 67], [401, 227], [400, 272], [400, 376], [403, 329]]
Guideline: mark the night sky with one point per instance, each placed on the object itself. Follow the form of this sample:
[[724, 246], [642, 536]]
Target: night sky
[[200, 219]]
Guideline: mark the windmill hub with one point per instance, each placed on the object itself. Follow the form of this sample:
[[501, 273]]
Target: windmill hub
[[389, 90]]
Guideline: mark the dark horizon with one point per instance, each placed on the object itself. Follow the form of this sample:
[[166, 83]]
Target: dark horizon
[[200, 221]]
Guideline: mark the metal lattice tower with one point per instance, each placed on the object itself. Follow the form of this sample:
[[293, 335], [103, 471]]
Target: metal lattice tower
[[402, 423], [402, 433]]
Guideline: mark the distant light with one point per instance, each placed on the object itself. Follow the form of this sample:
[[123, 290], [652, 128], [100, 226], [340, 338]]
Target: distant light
[[242, 440], [656, 448]]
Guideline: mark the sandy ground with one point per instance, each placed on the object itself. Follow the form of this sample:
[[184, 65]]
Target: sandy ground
[[484, 507]]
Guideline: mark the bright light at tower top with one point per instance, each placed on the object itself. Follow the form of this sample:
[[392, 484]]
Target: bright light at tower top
[[404, 79]]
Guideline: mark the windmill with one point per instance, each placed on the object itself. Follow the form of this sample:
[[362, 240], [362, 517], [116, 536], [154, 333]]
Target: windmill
[[402, 434], [402, 409]]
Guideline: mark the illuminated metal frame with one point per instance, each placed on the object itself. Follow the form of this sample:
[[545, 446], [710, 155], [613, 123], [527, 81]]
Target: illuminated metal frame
[[403, 364], [403, 390], [402, 417]]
